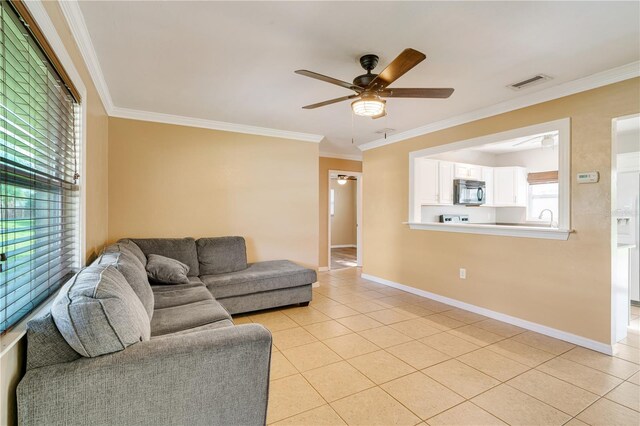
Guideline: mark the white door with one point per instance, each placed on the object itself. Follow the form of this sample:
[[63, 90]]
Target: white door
[[428, 181], [504, 186], [446, 182]]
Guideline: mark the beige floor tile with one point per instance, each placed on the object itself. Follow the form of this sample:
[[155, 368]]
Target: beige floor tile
[[416, 328], [632, 340], [367, 306], [381, 366], [348, 298], [580, 375], [371, 294], [466, 413], [244, 319], [628, 353], [626, 394], [464, 316], [555, 392], [493, 364], [417, 354], [392, 301], [499, 327], [443, 322], [433, 305], [575, 422], [476, 335], [305, 315], [312, 355], [373, 407], [337, 311], [350, 345], [520, 352], [385, 336], [635, 379], [337, 380], [359, 322], [545, 343], [292, 337], [321, 416], [607, 413], [274, 320], [390, 316], [461, 378], [518, 408], [605, 363], [281, 367], [449, 344], [290, 396], [327, 329], [422, 395], [414, 309]]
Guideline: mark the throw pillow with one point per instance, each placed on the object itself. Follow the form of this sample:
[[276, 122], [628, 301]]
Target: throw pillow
[[165, 270]]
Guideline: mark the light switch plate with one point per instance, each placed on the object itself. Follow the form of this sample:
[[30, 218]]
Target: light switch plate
[[588, 177]]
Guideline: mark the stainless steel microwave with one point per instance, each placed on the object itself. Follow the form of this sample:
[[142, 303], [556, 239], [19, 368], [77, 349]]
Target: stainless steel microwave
[[469, 192]]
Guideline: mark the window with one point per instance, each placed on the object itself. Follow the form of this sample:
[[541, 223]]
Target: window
[[542, 197], [39, 194], [332, 202]]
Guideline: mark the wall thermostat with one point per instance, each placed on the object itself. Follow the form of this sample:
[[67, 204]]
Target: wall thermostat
[[588, 177]]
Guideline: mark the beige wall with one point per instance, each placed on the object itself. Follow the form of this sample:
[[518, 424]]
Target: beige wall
[[326, 164], [11, 363], [561, 284], [176, 181], [343, 222]]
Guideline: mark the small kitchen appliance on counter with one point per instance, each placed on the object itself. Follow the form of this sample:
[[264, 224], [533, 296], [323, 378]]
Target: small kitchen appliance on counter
[[454, 218]]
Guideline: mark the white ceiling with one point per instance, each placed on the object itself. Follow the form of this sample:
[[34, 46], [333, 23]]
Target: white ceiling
[[524, 143], [234, 61]]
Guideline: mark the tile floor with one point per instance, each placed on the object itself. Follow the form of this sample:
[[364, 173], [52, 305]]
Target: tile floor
[[366, 354]]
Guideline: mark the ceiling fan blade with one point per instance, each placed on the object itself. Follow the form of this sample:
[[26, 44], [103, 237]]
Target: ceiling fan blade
[[331, 80], [329, 102], [416, 93], [528, 140], [408, 59]]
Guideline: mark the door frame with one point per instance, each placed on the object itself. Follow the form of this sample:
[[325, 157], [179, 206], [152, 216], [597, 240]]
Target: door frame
[[358, 176]]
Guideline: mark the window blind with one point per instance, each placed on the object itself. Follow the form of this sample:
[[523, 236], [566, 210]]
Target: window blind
[[39, 194], [540, 178]]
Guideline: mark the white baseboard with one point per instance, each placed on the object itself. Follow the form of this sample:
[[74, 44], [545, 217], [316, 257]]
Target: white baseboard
[[538, 328], [344, 246], [323, 268]]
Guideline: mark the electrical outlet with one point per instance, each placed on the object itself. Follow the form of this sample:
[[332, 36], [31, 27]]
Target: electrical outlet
[[463, 274]]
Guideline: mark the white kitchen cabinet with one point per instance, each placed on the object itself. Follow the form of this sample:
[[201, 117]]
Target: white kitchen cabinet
[[510, 186], [427, 182], [445, 177], [487, 177], [467, 171]]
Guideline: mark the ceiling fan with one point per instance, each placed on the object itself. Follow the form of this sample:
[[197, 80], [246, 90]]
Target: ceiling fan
[[370, 88], [546, 141]]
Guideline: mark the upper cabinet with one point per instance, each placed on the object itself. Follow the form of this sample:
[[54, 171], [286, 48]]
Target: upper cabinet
[[467, 171], [427, 184], [510, 186], [445, 177], [487, 177]]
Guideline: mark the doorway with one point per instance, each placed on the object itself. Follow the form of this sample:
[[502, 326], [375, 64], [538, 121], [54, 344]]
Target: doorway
[[625, 227], [345, 214]]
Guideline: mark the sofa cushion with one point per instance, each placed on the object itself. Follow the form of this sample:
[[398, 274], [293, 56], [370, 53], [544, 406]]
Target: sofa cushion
[[132, 270], [98, 313], [182, 249], [181, 295], [221, 255], [127, 244], [184, 317], [165, 270], [212, 326], [259, 277], [45, 344]]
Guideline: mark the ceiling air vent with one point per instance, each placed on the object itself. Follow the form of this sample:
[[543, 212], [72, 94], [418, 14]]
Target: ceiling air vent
[[385, 130], [536, 79]]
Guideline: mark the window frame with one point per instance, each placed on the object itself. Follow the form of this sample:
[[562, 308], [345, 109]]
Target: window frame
[[563, 229], [530, 197], [41, 19]]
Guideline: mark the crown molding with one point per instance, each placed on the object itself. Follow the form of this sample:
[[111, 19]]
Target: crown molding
[[75, 20], [352, 157], [179, 120], [593, 81]]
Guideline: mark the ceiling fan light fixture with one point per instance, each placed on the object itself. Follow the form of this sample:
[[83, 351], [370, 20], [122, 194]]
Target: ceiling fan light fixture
[[368, 106], [548, 141], [342, 179]]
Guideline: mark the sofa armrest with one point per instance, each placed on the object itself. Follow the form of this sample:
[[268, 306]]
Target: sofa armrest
[[213, 377]]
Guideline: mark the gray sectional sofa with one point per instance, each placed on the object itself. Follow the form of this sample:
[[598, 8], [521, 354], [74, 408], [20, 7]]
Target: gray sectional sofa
[[117, 349]]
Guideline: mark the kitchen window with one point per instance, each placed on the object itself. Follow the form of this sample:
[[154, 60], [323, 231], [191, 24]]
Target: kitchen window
[[543, 191], [39, 191]]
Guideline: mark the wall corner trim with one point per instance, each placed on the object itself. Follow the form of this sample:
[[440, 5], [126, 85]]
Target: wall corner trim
[[538, 328], [179, 120], [593, 81]]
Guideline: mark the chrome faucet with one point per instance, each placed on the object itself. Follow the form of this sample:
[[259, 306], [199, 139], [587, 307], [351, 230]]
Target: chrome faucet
[[542, 214]]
